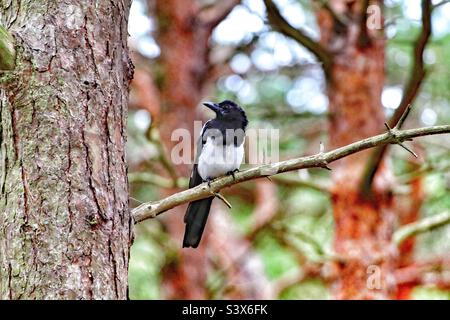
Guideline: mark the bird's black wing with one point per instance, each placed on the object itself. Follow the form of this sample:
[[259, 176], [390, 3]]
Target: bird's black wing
[[195, 178], [197, 211]]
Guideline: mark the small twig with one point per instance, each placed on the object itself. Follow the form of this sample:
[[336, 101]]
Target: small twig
[[280, 24], [324, 164], [321, 147], [396, 139], [321, 151], [440, 3], [407, 149], [212, 15], [221, 197], [403, 117]]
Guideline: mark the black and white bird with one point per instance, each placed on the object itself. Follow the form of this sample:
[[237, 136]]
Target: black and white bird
[[220, 151]]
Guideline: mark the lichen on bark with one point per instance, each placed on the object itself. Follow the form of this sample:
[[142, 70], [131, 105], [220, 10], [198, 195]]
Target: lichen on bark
[[7, 50]]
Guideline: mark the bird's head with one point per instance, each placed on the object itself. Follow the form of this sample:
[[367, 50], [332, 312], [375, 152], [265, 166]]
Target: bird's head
[[228, 111]]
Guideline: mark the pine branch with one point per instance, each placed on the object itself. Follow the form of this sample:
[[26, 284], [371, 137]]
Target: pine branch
[[7, 50], [321, 160], [280, 24]]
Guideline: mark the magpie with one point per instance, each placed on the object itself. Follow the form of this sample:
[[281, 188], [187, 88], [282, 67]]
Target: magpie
[[220, 150]]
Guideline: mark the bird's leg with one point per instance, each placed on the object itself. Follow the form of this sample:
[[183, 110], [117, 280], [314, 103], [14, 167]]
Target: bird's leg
[[231, 173], [209, 181]]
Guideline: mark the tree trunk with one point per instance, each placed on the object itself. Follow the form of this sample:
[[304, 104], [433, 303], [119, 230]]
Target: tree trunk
[[409, 211], [64, 223], [363, 224]]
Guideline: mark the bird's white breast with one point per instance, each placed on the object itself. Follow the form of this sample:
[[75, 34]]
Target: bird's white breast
[[216, 159]]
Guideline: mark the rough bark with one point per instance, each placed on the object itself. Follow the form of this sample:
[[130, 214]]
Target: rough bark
[[64, 219]]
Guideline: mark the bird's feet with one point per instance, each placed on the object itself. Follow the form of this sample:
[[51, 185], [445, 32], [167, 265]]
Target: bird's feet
[[209, 180], [231, 173]]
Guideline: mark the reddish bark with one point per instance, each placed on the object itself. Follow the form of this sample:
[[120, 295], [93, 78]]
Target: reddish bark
[[363, 225], [407, 214]]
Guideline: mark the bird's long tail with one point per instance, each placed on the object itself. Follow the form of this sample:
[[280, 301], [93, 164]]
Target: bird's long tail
[[195, 219]]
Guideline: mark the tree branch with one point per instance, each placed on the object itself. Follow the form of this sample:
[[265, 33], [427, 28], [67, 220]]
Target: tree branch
[[421, 226], [340, 22], [279, 23], [410, 93], [440, 3], [363, 38], [418, 68], [7, 50], [321, 160], [212, 15]]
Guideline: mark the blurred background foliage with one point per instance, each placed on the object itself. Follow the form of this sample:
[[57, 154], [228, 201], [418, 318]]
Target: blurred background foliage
[[281, 85]]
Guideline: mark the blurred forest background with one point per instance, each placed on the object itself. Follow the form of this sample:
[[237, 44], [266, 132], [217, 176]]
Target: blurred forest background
[[280, 239]]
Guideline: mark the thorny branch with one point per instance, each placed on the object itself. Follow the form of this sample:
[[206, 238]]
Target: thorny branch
[[410, 92], [321, 160]]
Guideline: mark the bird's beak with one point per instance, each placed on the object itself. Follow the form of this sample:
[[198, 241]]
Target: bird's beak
[[214, 107]]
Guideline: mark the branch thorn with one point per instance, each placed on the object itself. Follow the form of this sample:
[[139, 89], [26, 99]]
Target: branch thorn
[[407, 149], [221, 197], [392, 132]]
